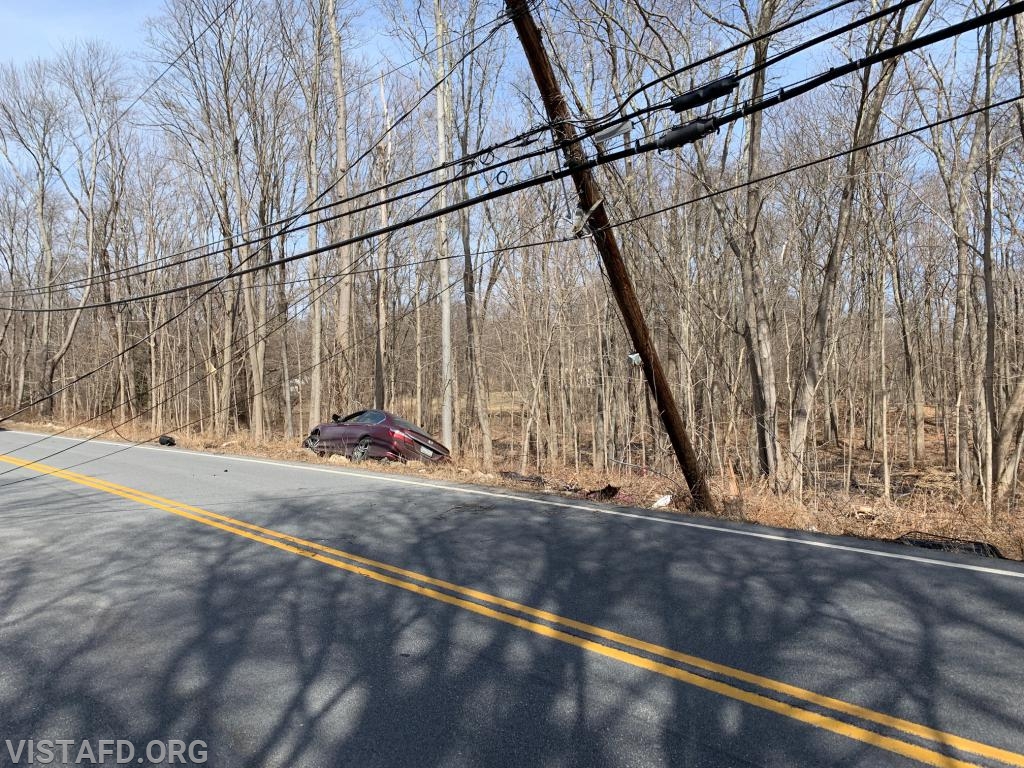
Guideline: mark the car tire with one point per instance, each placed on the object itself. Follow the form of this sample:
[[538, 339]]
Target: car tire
[[361, 451], [314, 444]]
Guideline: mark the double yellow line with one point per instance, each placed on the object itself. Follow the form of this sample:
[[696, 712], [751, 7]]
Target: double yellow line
[[717, 678]]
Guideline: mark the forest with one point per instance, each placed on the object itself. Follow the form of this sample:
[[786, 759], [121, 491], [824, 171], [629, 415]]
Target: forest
[[279, 209]]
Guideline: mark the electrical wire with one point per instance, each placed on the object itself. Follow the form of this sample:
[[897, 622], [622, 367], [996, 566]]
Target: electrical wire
[[719, 54], [817, 161], [301, 120], [828, 158], [832, 74], [192, 423], [218, 281], [780, 96], [620, 223], [268, 322], [289, 220], [208, 362], [830, 35], [520, 140], [783, 55], [465, 175]]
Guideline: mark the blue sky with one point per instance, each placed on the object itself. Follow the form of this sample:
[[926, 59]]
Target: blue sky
[[37, 28]]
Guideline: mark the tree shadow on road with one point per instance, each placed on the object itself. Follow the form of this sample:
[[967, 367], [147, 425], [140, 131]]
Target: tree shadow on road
[[128, 623]]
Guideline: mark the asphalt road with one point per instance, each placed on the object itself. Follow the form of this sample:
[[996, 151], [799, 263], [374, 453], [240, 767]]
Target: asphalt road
[[307, 615]]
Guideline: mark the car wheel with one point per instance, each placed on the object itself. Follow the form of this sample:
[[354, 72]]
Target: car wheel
[[314, 444], [361, 451]]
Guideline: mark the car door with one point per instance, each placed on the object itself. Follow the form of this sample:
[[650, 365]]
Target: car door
[[370, 426], [343, 433], [355, 427]]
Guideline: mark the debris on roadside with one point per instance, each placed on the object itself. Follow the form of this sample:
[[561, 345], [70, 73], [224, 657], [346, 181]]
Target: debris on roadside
[[535, 480], [604, 494], [662, 502], [865, 513], [166, 440], [948, 544]]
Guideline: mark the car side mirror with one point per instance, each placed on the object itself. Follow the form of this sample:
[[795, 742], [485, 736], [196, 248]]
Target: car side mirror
[[335, 418]]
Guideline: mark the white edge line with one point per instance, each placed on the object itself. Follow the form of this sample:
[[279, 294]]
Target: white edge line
[[548, 503]]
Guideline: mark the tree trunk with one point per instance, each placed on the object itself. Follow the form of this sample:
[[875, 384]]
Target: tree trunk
[[443, 251], [343, 330]]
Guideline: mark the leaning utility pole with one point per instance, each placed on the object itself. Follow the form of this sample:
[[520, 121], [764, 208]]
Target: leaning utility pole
[[618, 276]]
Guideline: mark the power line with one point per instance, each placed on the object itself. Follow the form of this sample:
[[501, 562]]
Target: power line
[[192, 423], [685, 133], [738, 46], [217, 281], [240, 353], [724, 85], [621, 223], [521, 140], [355, 239], [809, 84], [289, 220], [830, 35], [719, 54], [782, 96], [467, 174], [900, 49], [817, 161], [624, 222]]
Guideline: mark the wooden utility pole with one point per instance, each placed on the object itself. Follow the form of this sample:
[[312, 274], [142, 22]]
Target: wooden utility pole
[[618, 276]]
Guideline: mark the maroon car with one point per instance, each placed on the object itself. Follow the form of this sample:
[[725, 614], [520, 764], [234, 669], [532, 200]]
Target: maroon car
[[374, 435]]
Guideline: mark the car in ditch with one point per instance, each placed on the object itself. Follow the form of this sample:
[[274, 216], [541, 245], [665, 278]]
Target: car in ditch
[[374, 434]]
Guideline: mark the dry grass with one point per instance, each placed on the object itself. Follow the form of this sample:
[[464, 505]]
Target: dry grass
[[931, 504], [867, 516]]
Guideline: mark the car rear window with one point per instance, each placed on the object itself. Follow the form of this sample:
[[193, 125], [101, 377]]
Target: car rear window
[[403, 424]]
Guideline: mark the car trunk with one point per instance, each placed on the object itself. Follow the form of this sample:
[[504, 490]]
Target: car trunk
[[427, 446]]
